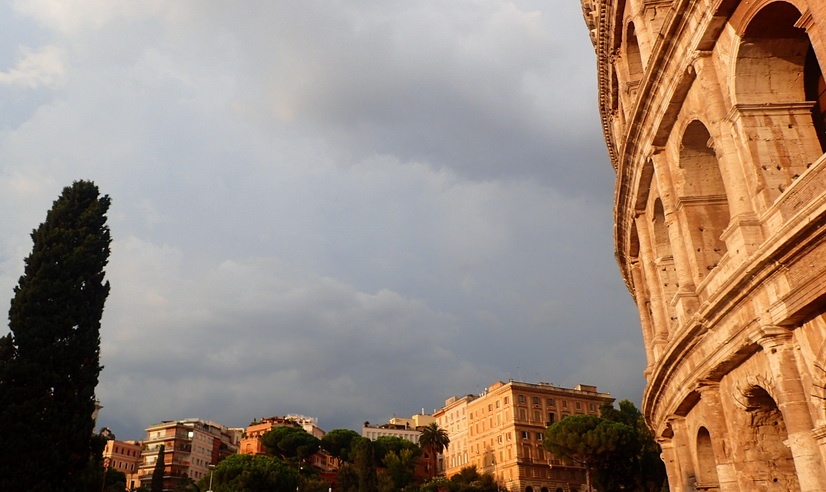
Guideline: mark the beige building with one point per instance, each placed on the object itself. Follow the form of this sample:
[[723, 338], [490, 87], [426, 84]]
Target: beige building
[[501, 432], [190, 447], [407, 429], [714, 112]]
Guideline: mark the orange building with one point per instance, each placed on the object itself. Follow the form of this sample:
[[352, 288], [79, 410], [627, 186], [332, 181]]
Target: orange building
[[501, 432], [124, 456]]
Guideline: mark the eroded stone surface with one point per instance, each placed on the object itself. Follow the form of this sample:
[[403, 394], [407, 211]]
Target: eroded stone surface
[[713, 113]]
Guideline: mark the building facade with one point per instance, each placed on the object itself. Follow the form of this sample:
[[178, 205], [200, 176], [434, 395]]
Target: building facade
[[714, 116], [407, 429], [501, 432], [191, 446], [124, 456]]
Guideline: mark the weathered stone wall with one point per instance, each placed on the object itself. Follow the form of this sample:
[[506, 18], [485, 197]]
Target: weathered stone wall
[[709, 109]]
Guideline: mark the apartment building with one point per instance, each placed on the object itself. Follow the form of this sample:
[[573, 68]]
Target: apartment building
[[501, 432], [190, 447], [124, 456], [407, 429]]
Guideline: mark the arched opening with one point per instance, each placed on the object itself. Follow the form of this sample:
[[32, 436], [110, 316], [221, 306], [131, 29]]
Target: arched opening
[[706, 462], [662, 246], [815, 88], [773, 71], [632, 54], [544, 489], [702, 199], [772, 464], [528, 489], [664, 260]]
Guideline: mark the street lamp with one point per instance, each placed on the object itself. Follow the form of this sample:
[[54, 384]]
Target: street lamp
[[211, 472]]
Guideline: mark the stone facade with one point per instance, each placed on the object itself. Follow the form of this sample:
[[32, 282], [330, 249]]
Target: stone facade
[[713, 112]]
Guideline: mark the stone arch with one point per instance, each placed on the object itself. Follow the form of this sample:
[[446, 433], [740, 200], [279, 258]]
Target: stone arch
[[706, 461], [633, 56], [769, 460], [771, 46], [528, 489], [771, 111], [814, 87], [703, 201], [544, 489]]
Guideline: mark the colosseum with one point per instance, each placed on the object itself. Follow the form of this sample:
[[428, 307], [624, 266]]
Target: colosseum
[[714, 112]]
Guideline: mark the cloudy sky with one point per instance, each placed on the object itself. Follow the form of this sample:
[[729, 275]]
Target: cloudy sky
[[342, 209]]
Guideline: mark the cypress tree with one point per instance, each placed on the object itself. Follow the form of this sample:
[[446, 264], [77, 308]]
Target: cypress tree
[[158, 472], [50, 362]]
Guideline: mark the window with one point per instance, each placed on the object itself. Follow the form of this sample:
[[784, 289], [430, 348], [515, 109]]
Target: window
[[525, 435], [536, 400], [538, 436], [506, 400], [578, 405], [592, 407], [550, 402], [497, 403], [551, 418], [564, 404], [521, 398]]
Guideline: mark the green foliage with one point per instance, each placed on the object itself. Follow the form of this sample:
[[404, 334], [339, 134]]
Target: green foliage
[[365, 461], [400, 466], [391, 444], [50, 362], [246, 473], [617, 449], [290, 442], [339, 443]]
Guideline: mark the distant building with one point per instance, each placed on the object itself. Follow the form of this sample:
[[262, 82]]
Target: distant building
[[190, 447], [402, 428], [326, 465], [124, 456], [501, 432], [251, 439]]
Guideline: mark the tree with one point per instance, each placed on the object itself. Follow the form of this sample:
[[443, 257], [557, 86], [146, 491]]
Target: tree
[[592, 442], [290, 442], [243, 472], [433, 441], [339, 443], [51, 358], [158, 471], [384, 445], [470, 480], [645, 468], [365, 463], [400, 467]]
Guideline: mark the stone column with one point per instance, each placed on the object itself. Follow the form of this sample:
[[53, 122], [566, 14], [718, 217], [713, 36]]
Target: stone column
[[715, 422], [777, 345], [641, 298], [671, 465], [659, 304], [685, 300], [682, 452]]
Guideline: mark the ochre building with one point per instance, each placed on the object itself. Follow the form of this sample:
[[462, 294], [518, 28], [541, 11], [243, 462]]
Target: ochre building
[[501, 432], [713, 111]]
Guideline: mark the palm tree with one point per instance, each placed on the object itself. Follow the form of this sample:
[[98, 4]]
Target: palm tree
[[433, 440]]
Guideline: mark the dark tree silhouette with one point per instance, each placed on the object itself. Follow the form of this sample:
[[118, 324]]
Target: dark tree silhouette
[[50, 362]]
